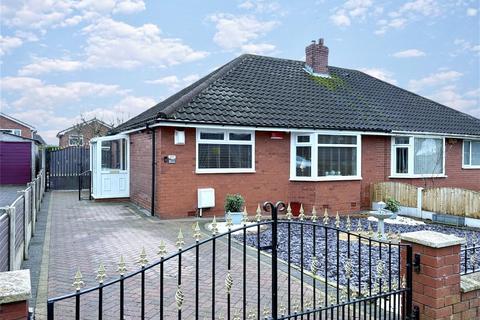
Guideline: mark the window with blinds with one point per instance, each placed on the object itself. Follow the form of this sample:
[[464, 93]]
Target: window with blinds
[[224, 151]]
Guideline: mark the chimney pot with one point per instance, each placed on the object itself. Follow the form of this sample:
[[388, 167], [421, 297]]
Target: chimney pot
[[316, 55]]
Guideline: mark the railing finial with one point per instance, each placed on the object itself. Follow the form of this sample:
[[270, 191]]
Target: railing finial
[[162, 249], [101, 274], [121, 266], [78, 283]]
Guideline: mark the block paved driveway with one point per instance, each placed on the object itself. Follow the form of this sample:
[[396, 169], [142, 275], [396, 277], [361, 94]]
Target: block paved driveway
[[83, 234]]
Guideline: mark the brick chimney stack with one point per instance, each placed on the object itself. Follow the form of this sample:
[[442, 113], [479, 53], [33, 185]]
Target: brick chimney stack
[[317, 57]]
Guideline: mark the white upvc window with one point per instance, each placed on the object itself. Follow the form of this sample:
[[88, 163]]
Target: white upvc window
[[471, 154], [17, 132], [324, 156], [75, 140], [225, 151], [417, 157]]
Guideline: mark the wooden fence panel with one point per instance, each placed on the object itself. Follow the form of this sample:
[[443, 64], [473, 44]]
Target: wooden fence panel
[[454, 201], [406, 194]]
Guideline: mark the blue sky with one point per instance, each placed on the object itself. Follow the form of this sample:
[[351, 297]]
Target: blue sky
[[115, 58]]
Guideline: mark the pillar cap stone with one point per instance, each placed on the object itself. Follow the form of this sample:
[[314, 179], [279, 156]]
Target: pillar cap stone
[[432, 239], [15, 286]]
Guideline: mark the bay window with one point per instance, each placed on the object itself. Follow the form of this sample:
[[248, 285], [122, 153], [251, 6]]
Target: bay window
[[417, 156], [318, 156], [471, 154], [223, 151]]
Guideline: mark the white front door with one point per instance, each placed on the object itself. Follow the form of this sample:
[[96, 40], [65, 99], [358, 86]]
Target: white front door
[[111, 173]]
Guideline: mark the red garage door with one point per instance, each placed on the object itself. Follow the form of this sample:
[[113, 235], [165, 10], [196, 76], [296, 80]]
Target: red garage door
[[15, 162]]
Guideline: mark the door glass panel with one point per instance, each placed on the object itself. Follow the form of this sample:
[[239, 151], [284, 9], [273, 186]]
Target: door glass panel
[[114, 154]]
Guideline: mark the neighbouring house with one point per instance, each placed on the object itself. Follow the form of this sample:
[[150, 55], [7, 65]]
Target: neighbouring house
[[81, 133], [17, 127], [21, 151], [278, 129]]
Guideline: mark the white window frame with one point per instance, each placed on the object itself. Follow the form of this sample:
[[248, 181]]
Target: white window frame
[[468, 166], [226, 140], [314, 153], [16, 132], [411, 158], [75, 135]]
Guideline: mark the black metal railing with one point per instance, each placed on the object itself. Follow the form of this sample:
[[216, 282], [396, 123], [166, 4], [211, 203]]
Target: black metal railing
[[85, 182], [470, 262], [307, 270]]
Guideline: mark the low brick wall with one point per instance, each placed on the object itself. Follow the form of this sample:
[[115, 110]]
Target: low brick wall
[[439, 291]]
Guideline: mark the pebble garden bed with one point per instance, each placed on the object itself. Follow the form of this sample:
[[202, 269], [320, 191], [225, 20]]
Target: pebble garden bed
[[364, 266]]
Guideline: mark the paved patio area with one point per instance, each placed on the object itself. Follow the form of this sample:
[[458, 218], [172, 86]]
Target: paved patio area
[[83, 234], [8, 193]]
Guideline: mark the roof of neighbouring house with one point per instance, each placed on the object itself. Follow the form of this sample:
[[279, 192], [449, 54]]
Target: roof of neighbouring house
[[17, 121], [85, 123], [263, 91]]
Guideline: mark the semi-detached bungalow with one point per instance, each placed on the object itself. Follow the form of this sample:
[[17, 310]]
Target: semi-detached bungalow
[[278, 129]]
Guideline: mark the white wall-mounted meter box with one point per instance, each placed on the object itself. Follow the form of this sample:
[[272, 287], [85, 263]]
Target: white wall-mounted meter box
[[206, 198]]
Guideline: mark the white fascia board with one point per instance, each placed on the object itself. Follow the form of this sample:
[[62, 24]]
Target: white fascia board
[[283, 129]]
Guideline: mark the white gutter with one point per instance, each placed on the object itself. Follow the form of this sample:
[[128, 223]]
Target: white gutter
[[282, 129]]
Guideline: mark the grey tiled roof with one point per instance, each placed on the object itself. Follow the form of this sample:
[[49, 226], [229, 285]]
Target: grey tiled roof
[[270, 92]]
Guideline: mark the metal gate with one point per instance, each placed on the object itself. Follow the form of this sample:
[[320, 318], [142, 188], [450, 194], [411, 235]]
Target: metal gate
[[64, 167], [274, 268]]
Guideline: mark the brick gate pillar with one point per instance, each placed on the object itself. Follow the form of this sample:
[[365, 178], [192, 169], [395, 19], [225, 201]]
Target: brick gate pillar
[[15, 291], [436, 285]]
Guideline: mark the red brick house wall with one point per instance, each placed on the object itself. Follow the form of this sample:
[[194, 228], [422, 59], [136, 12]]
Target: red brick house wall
[[141, 169], [86, 131], [177, 184], [9, 124]]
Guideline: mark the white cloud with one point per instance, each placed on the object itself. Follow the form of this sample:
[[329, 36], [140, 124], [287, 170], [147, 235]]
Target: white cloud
[[258, 48], [410, 11], [34, 93], [472, 12], [45, 65], [173, 82], [262, 6], [121, 111], [354, 10], [465, 46], [410, 53], [434, 79], [50, 121], [41, 15], [112, 43], [238, 32], [7, 44], [381, 74], [449, 96], [129, 6], [340, 19], [49, 106]]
